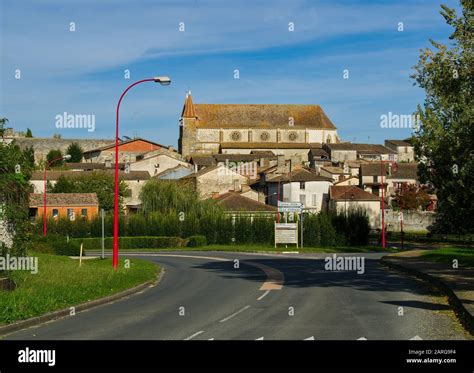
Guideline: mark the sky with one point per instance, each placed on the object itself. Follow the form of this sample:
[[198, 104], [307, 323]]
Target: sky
[[353, 58]]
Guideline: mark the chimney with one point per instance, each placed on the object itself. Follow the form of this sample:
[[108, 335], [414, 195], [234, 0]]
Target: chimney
[[280, 164]]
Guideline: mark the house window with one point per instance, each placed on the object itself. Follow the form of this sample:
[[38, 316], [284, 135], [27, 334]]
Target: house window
[[303, 199], [84, 213], [70, 214], [315, 200], [302, 185], [55, 213], [376, 178]]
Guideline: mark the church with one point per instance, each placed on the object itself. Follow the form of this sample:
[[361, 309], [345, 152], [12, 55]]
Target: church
[[289, 130]]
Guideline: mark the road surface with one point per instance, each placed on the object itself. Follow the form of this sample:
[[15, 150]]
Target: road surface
[[203, 296]]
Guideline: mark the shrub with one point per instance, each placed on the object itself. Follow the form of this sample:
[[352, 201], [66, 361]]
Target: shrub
[[139, 242], [57, 244], [197, 241]]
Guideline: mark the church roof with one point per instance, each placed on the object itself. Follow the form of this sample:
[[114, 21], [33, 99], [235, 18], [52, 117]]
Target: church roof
[[256, 115]]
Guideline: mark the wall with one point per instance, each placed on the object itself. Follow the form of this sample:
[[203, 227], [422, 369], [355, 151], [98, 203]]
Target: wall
[[412, 220], [219, 180], [372, 208], [163, 161], [42, 146], [62, 210]]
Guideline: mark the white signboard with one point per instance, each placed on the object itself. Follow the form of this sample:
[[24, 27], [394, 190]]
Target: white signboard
[[286, 233], [290, 206]]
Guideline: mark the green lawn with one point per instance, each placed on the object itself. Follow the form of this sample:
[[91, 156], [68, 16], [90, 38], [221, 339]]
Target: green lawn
[[60, 283], [464, 256], [266, 249]]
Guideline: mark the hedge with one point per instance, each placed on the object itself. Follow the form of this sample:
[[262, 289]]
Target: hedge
[[57, 244], [141, 242], [197, 241]]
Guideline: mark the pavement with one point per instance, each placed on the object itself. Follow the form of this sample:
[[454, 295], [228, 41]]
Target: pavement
[[242, 296], [458, 283]]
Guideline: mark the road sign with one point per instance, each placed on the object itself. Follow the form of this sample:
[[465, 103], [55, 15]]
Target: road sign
[[290, 207], [286, 233]]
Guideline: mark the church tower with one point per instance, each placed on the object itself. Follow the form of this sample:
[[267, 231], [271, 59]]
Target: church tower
[[187, 131]]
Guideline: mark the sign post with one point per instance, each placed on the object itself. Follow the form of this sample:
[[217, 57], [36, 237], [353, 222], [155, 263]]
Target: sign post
[[102, 215]]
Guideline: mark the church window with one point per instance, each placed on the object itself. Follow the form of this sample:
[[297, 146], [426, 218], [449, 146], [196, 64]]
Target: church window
[[264, 136], [235, 136]]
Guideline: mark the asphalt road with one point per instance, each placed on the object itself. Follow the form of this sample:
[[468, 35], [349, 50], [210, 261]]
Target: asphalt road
[[270, 297]]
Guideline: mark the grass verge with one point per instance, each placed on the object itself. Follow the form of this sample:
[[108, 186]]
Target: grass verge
[[464, 256], [61, 283]]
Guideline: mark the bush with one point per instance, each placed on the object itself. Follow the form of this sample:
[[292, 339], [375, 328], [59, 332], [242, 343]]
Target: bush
[[57, 244], [141, 242], [197, 241]]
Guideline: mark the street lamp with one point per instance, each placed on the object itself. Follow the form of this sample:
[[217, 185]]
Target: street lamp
[[163, 80], [64, 158]]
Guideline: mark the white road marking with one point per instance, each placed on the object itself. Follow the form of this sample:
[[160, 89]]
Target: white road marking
[[310, 338], [263, 295], [362, 339], [194, 335], [416, 338], [290, 252], [260, 339], [235, 314]]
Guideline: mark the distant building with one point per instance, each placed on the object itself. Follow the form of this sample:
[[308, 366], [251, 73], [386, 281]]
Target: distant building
[[343, 152], [236, 203], [404, 149], [242, 128], [64, 205], [343, 199]]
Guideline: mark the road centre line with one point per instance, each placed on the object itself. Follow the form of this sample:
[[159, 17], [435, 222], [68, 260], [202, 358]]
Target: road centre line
[[194, 335], [263, 295], [235, 314]]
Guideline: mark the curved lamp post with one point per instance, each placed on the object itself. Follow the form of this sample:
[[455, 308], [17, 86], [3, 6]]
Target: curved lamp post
[[163, 80], [64, 158]]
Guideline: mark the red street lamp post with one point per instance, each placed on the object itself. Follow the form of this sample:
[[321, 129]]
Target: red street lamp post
[[163, 80], [382, 172], [66, 157]]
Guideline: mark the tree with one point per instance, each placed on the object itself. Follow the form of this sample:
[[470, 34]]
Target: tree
[[96, 182], [411, 197], [75, 151], [444, 138], [3, 123], [28, 133], [55, 154]]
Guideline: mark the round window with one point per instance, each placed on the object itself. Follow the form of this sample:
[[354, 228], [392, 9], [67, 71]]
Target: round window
[[264, 136], [236, 136], [292, 136]]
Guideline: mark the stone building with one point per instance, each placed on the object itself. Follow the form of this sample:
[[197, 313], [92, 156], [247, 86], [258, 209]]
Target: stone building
[[289, 130]]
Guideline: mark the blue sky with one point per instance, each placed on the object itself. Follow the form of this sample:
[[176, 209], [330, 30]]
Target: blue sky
[[82, 72]]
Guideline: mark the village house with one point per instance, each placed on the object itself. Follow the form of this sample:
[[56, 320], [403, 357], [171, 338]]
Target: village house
[[242, 128], [215, 180], [64, 205], [335, 173], [347, 151], [343, 199], [318, 157], [174, 173], [300, 185], [155, 163], [404, 149], [128, 151], [237, 203]]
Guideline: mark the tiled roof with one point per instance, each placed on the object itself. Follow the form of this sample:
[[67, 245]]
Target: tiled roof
[[398, 142], [91, 166], [299, 175], [64, 199], [318, 152], [350, 193], [264, 153], [54, 175], [112, 146], [361, 148], [232, 201], [267, 145], [202, 160], [334, 170], [400, 171], [373, 169]]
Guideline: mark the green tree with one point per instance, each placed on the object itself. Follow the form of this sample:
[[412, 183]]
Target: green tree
[[75, 151], [3, 123], [28, 133], [444, 139], [96, 182], [55, 154]]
